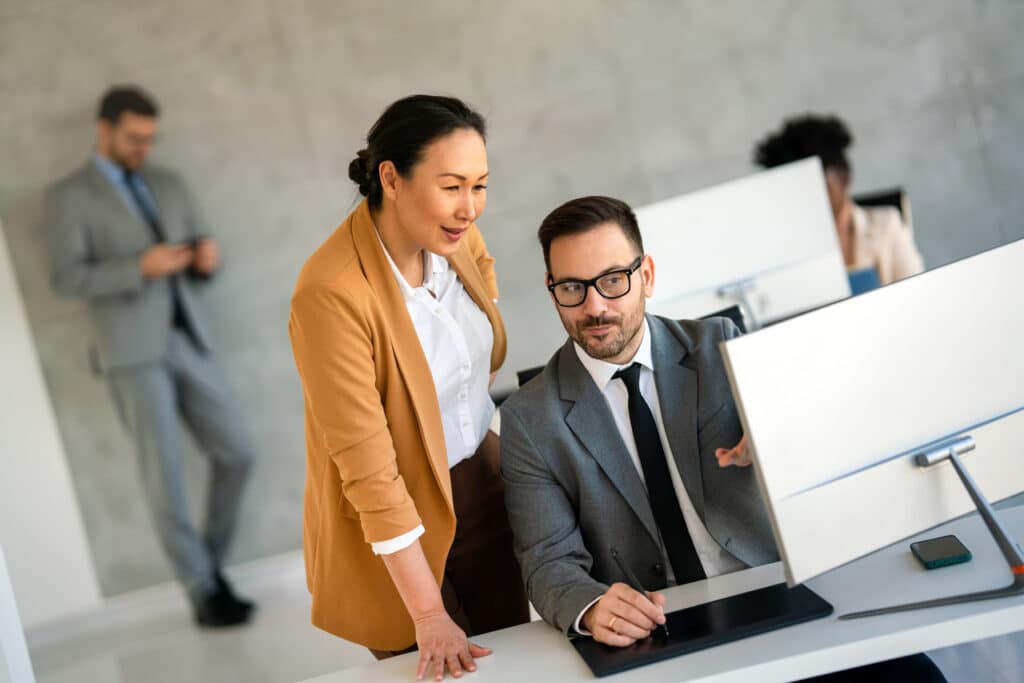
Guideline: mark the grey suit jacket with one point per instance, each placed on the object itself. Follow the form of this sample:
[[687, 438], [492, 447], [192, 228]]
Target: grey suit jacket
[[573, 492], [96, 242]]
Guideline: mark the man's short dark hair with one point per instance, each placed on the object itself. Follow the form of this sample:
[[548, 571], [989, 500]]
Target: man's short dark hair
[[585, 213], [122, 98]]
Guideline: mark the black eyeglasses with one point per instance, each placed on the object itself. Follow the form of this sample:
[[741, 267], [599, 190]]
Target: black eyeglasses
[[612, 285]]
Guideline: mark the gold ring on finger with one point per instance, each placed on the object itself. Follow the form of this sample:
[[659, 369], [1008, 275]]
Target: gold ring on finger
[[611, 624]]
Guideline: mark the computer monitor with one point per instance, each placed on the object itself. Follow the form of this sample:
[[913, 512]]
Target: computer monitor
[[837, 403], [767, 240]]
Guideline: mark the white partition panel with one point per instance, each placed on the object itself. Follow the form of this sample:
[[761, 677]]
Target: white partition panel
[[835, 401], [41, 529], [773, 229]]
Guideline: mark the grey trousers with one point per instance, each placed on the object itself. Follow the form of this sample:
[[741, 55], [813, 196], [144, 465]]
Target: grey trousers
[[150, 398]]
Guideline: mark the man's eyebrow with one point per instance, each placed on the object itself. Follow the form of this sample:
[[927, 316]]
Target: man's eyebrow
[[612, 269]]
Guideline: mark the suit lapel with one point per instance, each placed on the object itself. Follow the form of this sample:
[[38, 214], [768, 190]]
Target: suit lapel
[[591, 421], [133, 227], [412, 363], [677, 394]]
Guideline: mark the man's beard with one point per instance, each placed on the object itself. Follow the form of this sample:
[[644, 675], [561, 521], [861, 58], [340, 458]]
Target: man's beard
[[125, 160], [625, 327]]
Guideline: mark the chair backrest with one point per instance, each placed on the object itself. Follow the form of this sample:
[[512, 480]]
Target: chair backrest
[[733, 313], [894, 196]]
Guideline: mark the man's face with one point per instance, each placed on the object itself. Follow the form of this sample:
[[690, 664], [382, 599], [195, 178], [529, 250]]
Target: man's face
[[607, 329], [128, 141]]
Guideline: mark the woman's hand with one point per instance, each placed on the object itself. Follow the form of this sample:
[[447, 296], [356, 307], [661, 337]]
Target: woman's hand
[[443, 645]]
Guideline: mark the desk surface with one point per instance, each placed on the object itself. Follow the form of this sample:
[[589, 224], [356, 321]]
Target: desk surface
[[537, 651]]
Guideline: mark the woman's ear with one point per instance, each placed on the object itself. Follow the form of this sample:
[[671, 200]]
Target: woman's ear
[[388, 179]]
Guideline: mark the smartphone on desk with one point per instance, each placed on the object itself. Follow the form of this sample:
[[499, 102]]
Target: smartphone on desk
[[940, 552]]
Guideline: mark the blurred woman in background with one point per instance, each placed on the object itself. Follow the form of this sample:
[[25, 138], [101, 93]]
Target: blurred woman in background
[[870, 237]]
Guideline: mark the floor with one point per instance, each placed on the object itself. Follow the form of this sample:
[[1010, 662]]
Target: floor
[[281, 646]]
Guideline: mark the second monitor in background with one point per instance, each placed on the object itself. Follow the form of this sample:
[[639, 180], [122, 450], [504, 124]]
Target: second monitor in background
[[766, 242]]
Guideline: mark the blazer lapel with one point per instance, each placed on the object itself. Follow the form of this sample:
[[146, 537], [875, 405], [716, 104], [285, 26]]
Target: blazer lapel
[[132, 228], [591, 421], [677, 394], [412, 363]]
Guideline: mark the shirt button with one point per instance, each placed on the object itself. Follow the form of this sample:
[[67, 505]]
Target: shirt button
[[659, 568]]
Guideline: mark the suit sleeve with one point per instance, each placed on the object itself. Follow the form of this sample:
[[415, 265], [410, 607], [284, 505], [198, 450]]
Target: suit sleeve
[[548, 544], [333, 347], [484, 261], [75, 271]]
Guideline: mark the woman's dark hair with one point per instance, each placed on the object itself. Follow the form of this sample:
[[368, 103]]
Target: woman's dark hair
[[583, 214], [807, 136], [401, 134], [122, 98]]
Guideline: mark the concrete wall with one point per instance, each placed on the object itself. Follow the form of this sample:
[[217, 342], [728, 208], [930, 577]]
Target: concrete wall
[[265, 103]]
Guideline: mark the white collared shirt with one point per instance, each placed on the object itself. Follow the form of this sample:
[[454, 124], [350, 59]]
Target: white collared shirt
[[713, 557], [457, 339]]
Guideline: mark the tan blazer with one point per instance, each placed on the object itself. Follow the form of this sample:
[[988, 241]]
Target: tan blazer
[[376, 465], [882, 240]]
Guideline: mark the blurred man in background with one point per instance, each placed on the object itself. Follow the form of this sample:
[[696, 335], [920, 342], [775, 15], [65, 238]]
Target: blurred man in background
[[127, 237]]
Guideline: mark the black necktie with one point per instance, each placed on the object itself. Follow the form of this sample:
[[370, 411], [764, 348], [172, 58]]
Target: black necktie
[[667, 514], [148, 214], [179, 319]]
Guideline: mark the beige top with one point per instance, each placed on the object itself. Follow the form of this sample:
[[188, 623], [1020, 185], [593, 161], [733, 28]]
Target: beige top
[[882, 240]]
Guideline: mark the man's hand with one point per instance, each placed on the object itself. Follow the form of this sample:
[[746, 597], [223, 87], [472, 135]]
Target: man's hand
[[162, 260], [207, 256], [739, 455], [623, 616], [444, 645]]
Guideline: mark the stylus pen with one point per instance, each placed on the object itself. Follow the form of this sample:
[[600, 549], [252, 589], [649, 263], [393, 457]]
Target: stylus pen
[[633, 582]]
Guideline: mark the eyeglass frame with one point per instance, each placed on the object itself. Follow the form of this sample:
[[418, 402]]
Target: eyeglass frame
[[592, 282]]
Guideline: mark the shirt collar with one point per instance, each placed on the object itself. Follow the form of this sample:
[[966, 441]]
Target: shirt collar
[[110, 169], [601, 371], [433, 265]]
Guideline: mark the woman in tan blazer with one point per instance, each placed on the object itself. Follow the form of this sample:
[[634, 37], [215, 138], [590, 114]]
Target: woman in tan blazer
[[396, 334], [869, 237]]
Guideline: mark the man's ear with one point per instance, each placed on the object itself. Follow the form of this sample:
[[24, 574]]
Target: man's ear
[[647, 272]]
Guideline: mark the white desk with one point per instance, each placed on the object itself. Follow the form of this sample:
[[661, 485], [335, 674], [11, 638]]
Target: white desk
[[537, 652]]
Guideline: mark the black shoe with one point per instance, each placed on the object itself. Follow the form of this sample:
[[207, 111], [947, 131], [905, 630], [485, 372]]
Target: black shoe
[[219, 609], [224, 587]]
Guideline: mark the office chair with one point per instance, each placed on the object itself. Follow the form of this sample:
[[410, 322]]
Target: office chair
[[896, 197]]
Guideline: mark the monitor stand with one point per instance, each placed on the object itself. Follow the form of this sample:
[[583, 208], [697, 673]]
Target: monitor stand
[[951, 450]]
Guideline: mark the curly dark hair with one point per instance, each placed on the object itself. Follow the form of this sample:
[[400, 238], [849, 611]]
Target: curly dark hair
[[806, 136]]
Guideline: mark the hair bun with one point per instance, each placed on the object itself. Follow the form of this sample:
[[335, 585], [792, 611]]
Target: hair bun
[[359, 171]]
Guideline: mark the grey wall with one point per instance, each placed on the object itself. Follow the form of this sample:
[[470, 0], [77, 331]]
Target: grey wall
[[265, 103]]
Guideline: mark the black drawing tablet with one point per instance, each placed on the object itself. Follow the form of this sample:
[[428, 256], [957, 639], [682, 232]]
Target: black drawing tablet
[[713, 623]]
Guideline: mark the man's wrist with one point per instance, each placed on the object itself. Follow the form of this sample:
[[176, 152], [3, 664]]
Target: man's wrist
[[581, 626]]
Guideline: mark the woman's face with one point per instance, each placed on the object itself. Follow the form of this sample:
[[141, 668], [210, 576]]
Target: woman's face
[[445, 192], [837, 181]]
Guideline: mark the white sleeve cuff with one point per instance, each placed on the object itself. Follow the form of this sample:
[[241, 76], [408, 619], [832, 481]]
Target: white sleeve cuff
[[393, 545], [578, 625]]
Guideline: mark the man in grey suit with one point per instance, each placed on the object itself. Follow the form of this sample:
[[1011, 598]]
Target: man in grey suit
[[618, 443], [127, 237]]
